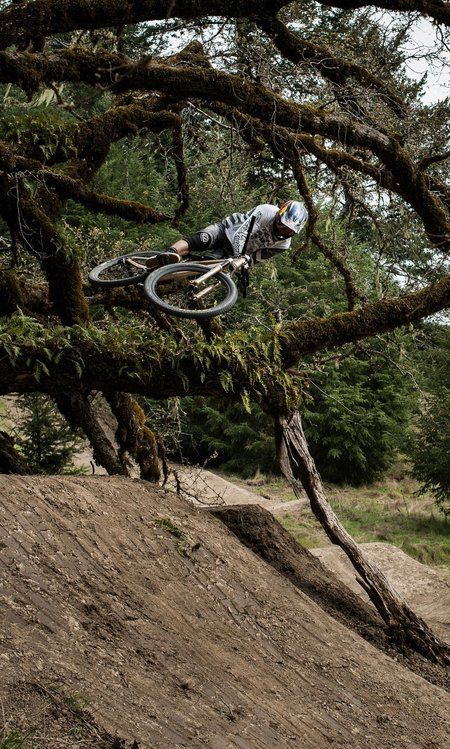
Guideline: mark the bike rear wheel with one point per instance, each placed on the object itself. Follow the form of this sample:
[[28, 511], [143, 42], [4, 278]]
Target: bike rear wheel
[[120, 271], [170, 289]]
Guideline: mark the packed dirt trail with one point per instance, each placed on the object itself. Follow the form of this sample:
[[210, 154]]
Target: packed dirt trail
[[424, 588], [171, 633]]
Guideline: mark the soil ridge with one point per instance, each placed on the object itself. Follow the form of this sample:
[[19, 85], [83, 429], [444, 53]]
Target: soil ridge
[[163, 630]]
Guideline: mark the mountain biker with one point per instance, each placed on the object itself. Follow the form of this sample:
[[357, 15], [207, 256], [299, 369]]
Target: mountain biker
[[271, 233]]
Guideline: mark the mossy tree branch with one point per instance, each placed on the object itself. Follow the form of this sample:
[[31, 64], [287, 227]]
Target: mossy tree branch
[[334, 69], [25, 24], [259, 102], [67, 187], [20, 25], [26, 218], [164, 367], [134, 436]]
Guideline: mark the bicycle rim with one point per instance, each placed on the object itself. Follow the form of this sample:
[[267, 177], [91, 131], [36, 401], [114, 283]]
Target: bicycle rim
[[119, 271], [170, 290]]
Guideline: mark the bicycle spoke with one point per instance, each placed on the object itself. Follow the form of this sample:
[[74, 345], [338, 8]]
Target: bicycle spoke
[[127, 269], [185, 295]]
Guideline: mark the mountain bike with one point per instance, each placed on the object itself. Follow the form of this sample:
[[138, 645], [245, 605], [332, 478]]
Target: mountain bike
[[192, 289], [196, 289]]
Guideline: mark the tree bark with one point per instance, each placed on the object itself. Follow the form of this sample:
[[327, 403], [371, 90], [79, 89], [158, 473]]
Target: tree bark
[[134, 436], [297, 463], [79, 413]]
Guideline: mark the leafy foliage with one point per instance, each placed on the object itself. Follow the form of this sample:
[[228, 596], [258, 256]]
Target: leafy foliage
[[45, 440], [354, 419], [430, 448], [223, 433], [429, 444]]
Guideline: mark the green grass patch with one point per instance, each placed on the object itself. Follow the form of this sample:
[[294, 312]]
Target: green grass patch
[[170, 527], [15, 740], [389, 511], [424, 536]]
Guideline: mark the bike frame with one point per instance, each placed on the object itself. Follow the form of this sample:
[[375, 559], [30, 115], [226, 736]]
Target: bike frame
[[227, 265]]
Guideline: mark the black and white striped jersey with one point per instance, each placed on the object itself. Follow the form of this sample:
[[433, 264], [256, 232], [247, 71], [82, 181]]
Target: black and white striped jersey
[[263, 234]]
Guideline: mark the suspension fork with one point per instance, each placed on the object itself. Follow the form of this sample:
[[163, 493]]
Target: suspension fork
[[232, 263]]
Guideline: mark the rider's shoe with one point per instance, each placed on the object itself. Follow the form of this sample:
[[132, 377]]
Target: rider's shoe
[[165, 258]]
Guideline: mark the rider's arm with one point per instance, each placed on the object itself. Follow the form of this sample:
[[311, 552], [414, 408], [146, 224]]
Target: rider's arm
[[181, 246], [266, 253]]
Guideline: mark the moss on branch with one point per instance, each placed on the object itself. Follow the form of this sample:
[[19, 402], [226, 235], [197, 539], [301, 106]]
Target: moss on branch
[[251, 364], [21, 24], [307, 336]]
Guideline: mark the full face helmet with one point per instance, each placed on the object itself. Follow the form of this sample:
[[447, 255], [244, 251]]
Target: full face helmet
[[290, 218]]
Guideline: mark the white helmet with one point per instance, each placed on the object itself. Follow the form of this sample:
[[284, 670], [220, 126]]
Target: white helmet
[[292, 214]]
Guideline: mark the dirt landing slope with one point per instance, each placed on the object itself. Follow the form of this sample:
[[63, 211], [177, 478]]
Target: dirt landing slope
[[424, 588], [175, 635]]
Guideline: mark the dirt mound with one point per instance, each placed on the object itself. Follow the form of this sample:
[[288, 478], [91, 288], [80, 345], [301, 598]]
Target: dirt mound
[[425, 589], [327, 586], [157, 626]]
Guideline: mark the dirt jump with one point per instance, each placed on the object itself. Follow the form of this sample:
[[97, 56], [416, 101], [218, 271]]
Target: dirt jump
[[133, 619]]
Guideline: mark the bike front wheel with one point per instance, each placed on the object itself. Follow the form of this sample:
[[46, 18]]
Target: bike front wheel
[[125, 269], [172, 290]]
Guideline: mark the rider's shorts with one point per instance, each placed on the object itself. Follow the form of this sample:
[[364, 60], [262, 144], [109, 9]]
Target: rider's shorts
[[211, 240]]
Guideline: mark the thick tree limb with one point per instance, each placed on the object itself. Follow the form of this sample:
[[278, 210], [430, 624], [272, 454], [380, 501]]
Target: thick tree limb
[[258, 101], [27, 219], [23, 24], [434, 159], [204, 82], [77, 410], [67, 187], [163, 367], [20, 25], [307, 336], [134, 436], [29, 70]]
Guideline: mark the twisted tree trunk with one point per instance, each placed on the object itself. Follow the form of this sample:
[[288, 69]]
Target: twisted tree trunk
[[297, 463], [78, 412], [134, 436]]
